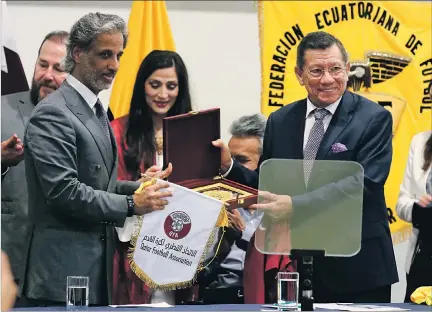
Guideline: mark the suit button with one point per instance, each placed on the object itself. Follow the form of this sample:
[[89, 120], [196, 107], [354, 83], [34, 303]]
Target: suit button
[[98, 167], [103, 237]]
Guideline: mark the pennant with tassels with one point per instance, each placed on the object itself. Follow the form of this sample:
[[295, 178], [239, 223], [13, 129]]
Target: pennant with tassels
[[171, 246]]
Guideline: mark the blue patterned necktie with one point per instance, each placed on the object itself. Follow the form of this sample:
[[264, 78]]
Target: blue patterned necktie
[[103, 118], [315, 137]]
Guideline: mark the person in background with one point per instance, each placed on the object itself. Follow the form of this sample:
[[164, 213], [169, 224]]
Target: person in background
[[246, 141], [414, 205], [161, 89], [16, 108], [9, 289], [334, 124], [75, 200], [223, 281], [246, 145]]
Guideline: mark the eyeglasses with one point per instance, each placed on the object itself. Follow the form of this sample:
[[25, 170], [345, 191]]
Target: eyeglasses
[[334, 71]]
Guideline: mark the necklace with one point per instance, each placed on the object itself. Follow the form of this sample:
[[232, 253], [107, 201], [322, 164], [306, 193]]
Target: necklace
[[159, 145]]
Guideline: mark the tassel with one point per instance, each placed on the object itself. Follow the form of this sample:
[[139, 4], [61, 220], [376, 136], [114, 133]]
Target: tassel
[[221, 222]]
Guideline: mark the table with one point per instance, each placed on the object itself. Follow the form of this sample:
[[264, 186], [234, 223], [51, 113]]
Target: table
[[220, 307]]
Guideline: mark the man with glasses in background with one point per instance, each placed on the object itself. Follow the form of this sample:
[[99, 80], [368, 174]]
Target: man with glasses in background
[[334, 124]]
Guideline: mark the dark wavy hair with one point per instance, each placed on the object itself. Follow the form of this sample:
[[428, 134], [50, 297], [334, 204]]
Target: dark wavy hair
[[427, 153], [139, 136]]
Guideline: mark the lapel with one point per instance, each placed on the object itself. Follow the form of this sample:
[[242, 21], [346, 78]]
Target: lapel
[[295, 129], [78, 106], [340, 120], [25, 107], [113, 178], [114, 144]]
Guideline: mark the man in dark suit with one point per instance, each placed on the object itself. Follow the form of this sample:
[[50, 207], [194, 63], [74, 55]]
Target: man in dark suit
[[15, 112], [307, 129], [71, 161]]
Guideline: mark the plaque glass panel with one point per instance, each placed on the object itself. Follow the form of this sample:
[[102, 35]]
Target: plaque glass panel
[[325, 213]]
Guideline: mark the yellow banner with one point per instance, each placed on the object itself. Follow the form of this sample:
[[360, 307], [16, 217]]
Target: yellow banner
[[389, 46], [149, 29]]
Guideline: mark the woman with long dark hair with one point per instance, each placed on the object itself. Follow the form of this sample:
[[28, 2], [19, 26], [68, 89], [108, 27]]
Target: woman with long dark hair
[[415, 206], [161, 89]]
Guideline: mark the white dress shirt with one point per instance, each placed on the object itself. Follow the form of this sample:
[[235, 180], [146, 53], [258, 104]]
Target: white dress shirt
[[310, 118], [85, 92]]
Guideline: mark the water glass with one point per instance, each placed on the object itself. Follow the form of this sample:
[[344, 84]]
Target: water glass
[[288, 289], [77, 291]]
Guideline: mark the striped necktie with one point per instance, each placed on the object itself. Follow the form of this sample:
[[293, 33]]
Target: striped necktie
[[315, 137], [103, 118]]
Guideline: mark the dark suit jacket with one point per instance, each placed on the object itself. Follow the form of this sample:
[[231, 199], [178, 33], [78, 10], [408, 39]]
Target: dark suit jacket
[[75, 199], [15, 227], [366, 130]]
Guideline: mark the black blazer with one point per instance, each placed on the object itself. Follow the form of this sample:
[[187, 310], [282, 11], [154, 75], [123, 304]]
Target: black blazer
[[366, 130]]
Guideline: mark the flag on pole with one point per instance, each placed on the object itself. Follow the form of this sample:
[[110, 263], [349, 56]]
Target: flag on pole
[[149, 29], [13, 78]]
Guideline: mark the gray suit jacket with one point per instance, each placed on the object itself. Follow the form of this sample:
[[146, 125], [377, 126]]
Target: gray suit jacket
[[75, 199], [15, 228]]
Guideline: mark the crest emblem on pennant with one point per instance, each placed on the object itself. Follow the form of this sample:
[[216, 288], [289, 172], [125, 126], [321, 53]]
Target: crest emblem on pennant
[[177, 225]]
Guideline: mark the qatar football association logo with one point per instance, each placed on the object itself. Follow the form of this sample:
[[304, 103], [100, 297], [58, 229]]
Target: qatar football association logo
[[177, 225]]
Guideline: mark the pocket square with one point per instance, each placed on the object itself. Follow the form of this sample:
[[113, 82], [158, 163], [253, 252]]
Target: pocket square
[[338, 147]]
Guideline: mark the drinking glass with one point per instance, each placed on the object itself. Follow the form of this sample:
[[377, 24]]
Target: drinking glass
[[288, 289], [77, 291]]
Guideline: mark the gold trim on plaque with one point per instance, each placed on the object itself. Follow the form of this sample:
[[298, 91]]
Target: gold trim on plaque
[[221, 187]]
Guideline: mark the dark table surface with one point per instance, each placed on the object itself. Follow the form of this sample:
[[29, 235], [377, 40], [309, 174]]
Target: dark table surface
[[221, 307]]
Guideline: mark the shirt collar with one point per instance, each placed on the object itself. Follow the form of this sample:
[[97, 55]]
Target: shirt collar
[[85, 92], [331, 108]]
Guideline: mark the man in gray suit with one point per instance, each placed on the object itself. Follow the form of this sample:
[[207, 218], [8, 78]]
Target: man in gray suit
[[15, 112], [71, 160]]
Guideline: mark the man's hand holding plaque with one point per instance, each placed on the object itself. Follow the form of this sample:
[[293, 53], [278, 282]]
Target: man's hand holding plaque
[[154, 172], [277, 207], [235, 220], [226, 159]]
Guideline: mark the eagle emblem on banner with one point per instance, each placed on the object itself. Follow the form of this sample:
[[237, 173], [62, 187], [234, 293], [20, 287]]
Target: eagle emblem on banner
[[378, 68]]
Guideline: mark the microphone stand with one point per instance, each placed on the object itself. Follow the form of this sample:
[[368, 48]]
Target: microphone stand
[[305, 259]]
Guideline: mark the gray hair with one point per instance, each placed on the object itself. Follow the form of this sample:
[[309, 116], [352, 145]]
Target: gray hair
[[87, 28], [249, 125], [59, 36]]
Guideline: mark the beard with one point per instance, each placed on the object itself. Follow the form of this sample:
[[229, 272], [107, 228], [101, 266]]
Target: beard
[[34, 92], [93, 78], [35, 95]]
